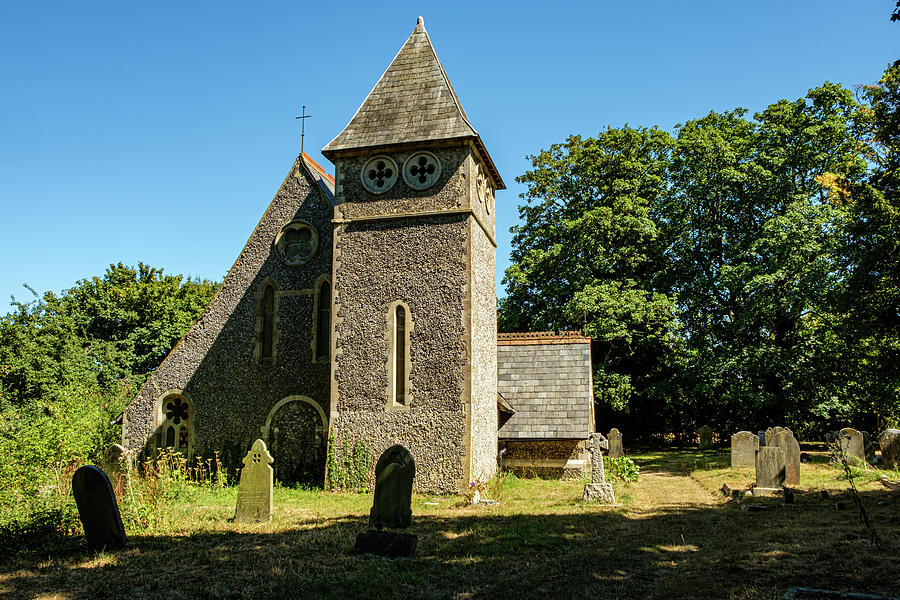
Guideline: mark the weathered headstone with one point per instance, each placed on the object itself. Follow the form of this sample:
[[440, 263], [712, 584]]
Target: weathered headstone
[[254, 501], [391, 507], [598, 490], [615, 443], [114, 459], [394, 473], [770, 475], [706, 437], [743, 449], [889, 440], [762, 438], [98, 509], [785, 440], [852, 444]]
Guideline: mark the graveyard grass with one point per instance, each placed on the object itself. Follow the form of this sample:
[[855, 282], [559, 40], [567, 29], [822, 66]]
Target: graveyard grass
[[673, 535]]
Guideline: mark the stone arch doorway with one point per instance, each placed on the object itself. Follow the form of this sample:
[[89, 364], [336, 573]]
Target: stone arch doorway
[[295, 432]]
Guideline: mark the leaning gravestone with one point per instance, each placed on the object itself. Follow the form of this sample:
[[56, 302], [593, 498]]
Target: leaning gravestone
[[598, 490], [785, 440], [615, 444], [889, 440], [852, 444], [744, 445], [770, 475], [706, 435], [98, 509], [254, 501], [392, 506]]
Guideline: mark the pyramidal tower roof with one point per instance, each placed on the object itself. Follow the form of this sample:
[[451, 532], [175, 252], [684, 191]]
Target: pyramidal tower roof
[[412, 102]]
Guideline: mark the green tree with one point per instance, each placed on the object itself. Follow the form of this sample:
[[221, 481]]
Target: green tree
[[587, 255], [103, 330], [871, 300]]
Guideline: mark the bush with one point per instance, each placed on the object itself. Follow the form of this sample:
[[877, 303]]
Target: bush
[[621, 468]]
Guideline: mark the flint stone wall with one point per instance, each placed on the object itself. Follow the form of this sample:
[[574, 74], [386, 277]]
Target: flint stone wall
[[230, 392], [421, 261]]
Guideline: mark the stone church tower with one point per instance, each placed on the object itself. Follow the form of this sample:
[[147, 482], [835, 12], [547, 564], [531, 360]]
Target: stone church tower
[[414, 344]]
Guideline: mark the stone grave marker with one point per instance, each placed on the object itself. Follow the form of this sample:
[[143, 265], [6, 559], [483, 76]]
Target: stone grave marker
[[744, 445], [254, 501], [598, 490], [391, 507], [853, 444], [785, 440], [614, 440], [889, 440], [98, 509], [114, 459], [706, 437], [762, 438], [770, 475]]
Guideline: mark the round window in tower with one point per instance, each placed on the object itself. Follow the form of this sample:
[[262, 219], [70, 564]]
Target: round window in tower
[[296, 243], [379, 175], [421, 170]]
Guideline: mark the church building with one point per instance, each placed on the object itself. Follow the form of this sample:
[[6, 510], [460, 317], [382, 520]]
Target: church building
[[362, 310]]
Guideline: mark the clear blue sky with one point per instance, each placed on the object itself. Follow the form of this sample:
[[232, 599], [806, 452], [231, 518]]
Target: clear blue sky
[[160, 131]]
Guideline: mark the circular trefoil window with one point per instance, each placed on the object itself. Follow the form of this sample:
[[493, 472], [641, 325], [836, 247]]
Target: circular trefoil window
[[421, 170], [379, 174]]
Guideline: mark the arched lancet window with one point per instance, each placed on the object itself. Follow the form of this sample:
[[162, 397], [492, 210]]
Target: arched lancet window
[[399, 354], [175, 415], [268, 321], [323, 322]]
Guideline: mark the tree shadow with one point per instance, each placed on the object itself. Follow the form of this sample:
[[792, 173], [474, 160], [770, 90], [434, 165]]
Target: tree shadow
[[679, 551]]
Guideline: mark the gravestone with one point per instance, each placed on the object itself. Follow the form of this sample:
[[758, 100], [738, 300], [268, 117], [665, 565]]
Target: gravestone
[[762, 438], [785, 440], [852, 444], [391, 507], [706, 437], [889, 440], [598, 490], [98, 509], [743, 449], [254, 501], [615, 443], [770, 475], [114, 459]]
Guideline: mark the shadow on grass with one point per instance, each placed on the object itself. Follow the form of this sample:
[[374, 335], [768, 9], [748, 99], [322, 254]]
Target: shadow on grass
[[688, 551]]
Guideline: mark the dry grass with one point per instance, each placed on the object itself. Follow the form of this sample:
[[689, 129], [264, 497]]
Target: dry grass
[[674, 536]]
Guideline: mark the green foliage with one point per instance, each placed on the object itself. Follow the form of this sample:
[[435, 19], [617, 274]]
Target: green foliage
[[738, 272], [348, 468], [68, 365], [621, 468], [103, 330]]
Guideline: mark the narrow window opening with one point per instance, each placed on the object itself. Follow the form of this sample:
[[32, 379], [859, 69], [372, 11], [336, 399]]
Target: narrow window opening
[[323, 333], [268, 329], [400, 355], [170, 437]]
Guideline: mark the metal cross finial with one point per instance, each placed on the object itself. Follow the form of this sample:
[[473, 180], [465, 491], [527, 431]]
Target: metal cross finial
[[303, 116]]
